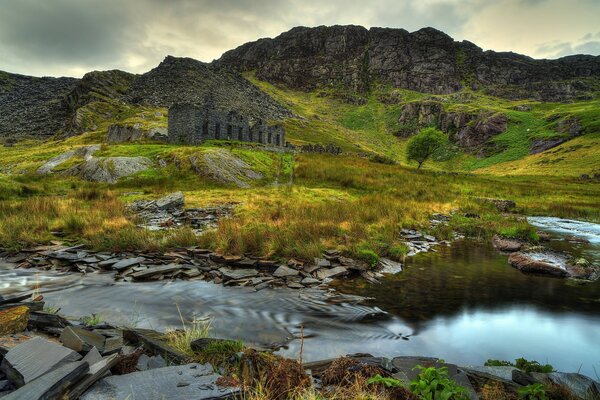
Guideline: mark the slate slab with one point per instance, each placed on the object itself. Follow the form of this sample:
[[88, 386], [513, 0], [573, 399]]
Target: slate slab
[[126, 263], [97, 371], [81, 340], [325, 273], [284, 271], [52, 385], [33, 358], [154, 342], [182, 382], [155, 270], [234, 274]]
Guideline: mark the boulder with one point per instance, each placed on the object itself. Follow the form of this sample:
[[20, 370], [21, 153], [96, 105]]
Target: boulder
[[109, 169], [13, 320], [580, 385], [85, 152], [158, 134], [124, 133], [538, 263], [508, 245], [171, 201]]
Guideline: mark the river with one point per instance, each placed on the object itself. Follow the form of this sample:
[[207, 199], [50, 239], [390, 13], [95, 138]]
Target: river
[[463, 303]]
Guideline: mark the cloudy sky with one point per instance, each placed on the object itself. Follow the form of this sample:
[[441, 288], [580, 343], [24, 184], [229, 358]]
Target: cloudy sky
[[71, 37]]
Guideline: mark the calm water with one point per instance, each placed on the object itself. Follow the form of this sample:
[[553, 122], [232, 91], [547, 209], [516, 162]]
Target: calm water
[[463, 303]]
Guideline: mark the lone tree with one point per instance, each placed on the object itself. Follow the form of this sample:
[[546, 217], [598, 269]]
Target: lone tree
[[424, 144]]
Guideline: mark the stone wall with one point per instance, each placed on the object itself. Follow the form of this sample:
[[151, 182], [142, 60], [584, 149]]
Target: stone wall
[[191, 124]]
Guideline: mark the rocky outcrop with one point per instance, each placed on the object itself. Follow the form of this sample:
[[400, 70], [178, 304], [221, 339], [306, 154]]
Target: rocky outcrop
[[426, 61], [84, 152], [470, 130], [538, 260], [109, 169], [184, 80], [568, 127], [124, 133], [224, 167]]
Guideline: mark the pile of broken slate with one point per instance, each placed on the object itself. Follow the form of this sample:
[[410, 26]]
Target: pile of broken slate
[[46, 356], [168, 212], [196, 263], [204, 264]]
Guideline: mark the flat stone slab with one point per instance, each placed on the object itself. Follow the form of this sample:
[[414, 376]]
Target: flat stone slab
[[284, 271], [156, 270], [33, 358], [389, 266], [126, 263], [52, 385], [325, 273], [182, 382], [234, 274], [81, 340]]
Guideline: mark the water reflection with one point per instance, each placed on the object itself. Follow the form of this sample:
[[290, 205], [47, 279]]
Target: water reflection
[[463, 303]]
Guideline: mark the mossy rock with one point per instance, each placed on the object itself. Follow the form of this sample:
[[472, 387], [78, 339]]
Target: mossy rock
[[13, 320]]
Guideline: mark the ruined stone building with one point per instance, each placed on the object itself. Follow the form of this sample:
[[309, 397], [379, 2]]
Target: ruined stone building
[[192, 124]]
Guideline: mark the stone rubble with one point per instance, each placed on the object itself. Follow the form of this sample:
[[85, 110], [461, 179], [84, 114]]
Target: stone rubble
[[168, 212]]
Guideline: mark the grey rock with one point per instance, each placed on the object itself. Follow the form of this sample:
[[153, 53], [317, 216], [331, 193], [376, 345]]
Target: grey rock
[[155, 270], [503, 372], [128, 262], [33, 358], [171, 201], [124, 133], [158, 384], [310, 281], [388, 266], [81, 340], [322, 263], [84, 152], [52, 385], [580, 385], [325, 273], [285, 271], [109, 169], [240, 273]]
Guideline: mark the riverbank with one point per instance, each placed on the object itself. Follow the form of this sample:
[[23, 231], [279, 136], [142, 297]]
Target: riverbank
[[98, 360]]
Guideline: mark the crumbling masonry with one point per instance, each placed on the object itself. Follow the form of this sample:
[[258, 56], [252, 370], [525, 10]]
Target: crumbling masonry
[[192, 124]]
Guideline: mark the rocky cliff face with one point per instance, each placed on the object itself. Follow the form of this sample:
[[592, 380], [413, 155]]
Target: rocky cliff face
[[184, 80], [32, 106], [426, 60], [470, 130]]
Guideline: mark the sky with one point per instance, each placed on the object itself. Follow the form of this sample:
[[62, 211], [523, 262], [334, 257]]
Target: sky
[[72, 37]]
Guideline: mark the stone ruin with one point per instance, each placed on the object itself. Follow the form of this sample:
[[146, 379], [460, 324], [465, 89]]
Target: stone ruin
[[193, 124]]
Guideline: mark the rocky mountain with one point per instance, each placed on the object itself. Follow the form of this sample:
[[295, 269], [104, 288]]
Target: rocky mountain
[[426, 61], [177, 80], [352, 60], [32, 106]]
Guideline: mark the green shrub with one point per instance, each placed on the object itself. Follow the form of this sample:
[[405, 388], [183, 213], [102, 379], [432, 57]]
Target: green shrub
[[522, 364], [365, 253], [435, 384], [536, 391]]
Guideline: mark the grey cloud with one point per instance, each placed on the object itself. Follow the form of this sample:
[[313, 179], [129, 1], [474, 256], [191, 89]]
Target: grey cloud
[[58, 37], [589, 44]]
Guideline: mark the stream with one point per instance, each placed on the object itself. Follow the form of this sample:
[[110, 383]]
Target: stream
[[462, 303]]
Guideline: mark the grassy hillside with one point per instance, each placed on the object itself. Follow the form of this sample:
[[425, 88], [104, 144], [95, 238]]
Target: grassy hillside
[[328, 116]]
